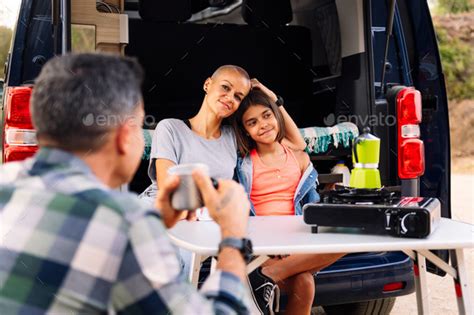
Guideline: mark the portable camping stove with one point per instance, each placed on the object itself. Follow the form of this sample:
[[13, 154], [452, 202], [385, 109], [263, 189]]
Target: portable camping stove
[[374, 211]]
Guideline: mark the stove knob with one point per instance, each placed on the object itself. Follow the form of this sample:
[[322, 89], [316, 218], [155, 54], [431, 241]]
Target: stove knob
[[409, 223]]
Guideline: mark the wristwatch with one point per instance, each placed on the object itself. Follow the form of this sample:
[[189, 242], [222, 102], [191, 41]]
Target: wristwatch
[[279, 102], [244, 245]]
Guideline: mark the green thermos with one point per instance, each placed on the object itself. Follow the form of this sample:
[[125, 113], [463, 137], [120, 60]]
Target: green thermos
[[365, 158]]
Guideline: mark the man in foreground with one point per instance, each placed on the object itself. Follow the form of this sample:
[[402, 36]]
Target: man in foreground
[[72, 244]]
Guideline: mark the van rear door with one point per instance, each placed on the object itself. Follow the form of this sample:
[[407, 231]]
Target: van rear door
[[427, 76], [32, 43]]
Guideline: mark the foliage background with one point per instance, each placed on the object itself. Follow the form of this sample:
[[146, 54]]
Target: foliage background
[[5, 39], [454, 24]]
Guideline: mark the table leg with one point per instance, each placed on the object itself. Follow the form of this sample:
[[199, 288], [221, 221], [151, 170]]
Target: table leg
[[420, 283], [438, 262], [195, 267], [213, 264], [257, 262], [461, 286]]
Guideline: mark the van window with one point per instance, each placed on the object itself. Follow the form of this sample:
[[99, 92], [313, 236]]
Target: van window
[[83, 38]]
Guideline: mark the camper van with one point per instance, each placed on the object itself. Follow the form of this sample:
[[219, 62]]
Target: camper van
[[333, 61]]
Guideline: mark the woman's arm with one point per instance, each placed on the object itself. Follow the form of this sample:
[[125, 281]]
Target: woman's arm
[[293, 138], [162, 166]]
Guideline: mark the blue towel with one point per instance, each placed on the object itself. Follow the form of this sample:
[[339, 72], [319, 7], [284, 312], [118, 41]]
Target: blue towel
[[147, 134], [318, 139]]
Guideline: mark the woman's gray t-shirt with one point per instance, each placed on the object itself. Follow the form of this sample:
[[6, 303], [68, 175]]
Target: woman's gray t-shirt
[[175, 141]]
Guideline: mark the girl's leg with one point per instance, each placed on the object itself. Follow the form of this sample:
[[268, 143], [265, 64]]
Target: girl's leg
[[300, 290], [281, 269]]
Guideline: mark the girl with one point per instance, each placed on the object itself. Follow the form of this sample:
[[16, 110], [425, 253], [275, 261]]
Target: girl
[[279, 178]]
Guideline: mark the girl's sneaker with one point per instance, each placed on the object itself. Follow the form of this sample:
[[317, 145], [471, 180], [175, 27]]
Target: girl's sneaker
[[265, 292]]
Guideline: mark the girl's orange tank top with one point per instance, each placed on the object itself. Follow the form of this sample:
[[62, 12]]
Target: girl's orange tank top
[[273, 188]]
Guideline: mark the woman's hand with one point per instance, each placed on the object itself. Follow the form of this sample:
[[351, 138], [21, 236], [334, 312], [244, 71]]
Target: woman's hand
[[257, 85]]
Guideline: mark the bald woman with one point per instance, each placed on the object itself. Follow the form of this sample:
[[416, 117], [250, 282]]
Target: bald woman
[[202, 138]]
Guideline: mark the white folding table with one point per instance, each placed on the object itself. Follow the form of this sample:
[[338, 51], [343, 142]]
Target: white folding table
[[280, 235]]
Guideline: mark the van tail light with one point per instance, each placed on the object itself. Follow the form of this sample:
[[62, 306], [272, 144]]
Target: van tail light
[[19, 137], [411, 160], [12, 153], [411, 154], [409, 106]]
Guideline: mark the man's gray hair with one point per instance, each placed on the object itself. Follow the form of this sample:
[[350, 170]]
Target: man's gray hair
[[78, 98]]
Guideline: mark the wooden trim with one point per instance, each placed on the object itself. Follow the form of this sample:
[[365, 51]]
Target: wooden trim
[[111, 28]]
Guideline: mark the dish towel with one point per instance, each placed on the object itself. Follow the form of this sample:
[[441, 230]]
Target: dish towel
[[147, 134], [318, 139]]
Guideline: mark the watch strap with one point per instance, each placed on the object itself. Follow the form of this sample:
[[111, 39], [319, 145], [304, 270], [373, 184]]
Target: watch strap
[[243, 245], [279, 102]]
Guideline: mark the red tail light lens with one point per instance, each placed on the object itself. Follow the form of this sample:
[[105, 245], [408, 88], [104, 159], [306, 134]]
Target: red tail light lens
[[411, 155], [409, 107], [411, 160], [18, 107], [19, 140], [13, 153], [395, 286]]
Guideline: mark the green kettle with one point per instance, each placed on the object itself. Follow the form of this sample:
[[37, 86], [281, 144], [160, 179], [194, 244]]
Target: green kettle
[[365, 158]]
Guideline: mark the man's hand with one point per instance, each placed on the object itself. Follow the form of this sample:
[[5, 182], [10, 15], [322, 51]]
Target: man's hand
[[228, 205], [169, 215]]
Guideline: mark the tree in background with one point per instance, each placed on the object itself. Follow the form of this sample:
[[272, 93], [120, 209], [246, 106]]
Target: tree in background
[[455, 6], [457, 58], [5, 38], [453, 23]]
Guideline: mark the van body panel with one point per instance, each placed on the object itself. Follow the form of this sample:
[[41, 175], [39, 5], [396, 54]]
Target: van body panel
[[413, 59], [32, 42], [428, 78]]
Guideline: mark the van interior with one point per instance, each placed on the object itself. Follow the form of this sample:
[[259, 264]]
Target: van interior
[[296, 48]]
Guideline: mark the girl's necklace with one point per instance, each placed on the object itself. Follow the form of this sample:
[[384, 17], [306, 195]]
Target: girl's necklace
[[282, 165]]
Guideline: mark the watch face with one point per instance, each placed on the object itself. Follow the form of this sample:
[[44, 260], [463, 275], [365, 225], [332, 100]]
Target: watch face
[[247, 250], [279, 102], [244, 245], [248, 246]]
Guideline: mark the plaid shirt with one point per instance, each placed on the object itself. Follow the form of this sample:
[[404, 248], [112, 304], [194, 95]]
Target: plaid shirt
[[71, 245]]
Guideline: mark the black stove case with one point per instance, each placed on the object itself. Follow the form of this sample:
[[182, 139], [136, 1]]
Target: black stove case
[[413, 217]]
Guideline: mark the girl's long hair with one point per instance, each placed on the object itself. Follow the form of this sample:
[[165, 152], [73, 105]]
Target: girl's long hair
[[256, 97]]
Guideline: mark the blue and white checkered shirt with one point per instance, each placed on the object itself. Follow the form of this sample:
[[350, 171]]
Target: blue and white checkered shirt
[[71, 245]]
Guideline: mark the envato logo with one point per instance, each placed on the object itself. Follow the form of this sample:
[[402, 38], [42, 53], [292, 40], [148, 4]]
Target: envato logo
[[102, 120], [369, 120]]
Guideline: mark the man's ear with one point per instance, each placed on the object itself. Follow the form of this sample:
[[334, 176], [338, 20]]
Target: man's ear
[[124, 138]]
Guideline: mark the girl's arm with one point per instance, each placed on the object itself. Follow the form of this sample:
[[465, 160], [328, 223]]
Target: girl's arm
[[293, 138], [303, 159]]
